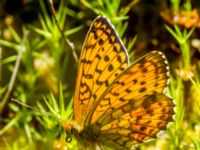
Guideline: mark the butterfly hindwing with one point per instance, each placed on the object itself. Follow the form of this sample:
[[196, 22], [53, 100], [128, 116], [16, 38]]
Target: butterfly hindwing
[[137, 122]]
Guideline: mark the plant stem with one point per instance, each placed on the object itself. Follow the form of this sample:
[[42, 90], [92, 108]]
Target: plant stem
[[67, 41], [14, 74]]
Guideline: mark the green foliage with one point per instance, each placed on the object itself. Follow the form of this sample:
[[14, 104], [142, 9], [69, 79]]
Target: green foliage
[[175, 6], [38, 69], [183, 40], [176, 131]]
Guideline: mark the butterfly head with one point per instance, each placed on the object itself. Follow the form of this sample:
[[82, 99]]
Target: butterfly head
[[71, 128], [84, 136]]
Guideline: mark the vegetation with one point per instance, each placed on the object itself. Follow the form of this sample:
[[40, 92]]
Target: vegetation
[[39, 60]]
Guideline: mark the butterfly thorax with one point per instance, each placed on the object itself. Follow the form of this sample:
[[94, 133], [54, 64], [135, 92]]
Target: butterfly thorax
[[86, 136], [71, 127]]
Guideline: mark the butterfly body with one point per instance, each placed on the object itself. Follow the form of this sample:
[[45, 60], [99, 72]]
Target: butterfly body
[[116, 104], [87, 137]]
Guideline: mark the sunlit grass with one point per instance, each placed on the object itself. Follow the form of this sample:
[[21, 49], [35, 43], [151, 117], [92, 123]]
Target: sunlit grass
[[41, 70]]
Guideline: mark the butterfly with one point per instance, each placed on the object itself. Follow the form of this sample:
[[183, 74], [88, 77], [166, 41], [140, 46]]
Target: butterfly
[[116, 104]]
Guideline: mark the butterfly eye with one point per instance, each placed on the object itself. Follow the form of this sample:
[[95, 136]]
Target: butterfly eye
[[68, 138]]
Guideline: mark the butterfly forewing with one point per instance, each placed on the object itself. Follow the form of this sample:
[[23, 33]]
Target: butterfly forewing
[[149, 75], [103, 58]]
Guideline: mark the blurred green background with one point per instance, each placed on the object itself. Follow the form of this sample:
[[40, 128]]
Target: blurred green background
[[38, 65]]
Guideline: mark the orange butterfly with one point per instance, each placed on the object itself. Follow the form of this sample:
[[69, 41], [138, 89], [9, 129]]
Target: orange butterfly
[[118, 105]]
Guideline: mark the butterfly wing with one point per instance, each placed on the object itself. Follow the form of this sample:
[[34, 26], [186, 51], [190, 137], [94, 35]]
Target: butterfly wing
[[102, 59], [136, 122], [134, 108]]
